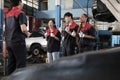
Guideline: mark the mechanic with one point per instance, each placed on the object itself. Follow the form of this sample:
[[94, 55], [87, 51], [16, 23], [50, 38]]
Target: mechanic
[[69, 34], [53, 37], [87, 34], [14, 47]]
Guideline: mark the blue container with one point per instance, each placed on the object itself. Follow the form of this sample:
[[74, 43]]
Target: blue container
[[115, 40]]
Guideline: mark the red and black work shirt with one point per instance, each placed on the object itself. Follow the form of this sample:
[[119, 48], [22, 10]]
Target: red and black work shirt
[[88, 30], [68, 39], [53, 45], [13, 33]]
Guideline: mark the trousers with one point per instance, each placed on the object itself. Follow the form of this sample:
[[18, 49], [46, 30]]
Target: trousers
[[16, 57], [52, 56]]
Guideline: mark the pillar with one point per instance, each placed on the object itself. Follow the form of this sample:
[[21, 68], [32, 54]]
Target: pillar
[[58, 13], [1, 14]]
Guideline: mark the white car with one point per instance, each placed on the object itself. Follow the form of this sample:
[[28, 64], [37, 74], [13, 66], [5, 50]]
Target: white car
[[36, 44]]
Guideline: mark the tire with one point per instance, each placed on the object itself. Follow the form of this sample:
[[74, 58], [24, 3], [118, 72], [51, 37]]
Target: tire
[[35, 49]]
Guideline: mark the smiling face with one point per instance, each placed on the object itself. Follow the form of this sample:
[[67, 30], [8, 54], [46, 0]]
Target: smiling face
[[51, 24], [83, 19], [67, 19]]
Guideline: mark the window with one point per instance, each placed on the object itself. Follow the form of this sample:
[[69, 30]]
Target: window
[[32, 3]]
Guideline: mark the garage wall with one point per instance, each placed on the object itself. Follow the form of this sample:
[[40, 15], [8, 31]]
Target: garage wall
[[1, 22], [51, 13], [65, 4]]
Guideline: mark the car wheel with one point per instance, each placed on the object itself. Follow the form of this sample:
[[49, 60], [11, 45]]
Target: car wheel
[[35, 49]]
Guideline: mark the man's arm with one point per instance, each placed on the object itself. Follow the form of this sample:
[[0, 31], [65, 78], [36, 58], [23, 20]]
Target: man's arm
[[23, 24], [89, 36], [24, 30]]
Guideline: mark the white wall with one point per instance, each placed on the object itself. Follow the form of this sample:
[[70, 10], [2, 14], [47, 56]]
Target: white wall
[[65, 4]]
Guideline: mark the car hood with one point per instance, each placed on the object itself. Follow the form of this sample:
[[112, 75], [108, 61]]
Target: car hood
[[40, 40]]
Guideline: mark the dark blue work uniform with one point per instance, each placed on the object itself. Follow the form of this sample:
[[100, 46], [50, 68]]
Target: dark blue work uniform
[[15, 39], [69, 42]]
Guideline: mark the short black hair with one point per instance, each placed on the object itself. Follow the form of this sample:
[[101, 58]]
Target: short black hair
[[68, 14], [15, 2]]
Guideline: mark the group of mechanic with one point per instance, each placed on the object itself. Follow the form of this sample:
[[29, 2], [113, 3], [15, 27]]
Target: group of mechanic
[[72, 35]]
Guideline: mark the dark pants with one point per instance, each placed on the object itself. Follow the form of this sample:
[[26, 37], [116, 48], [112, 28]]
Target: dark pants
[[16, 58], [84, 48], [68, 50]]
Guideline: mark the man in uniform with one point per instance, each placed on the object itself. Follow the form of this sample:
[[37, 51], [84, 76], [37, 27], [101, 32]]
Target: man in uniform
[[87, 34], [69, 34], [15, 30]]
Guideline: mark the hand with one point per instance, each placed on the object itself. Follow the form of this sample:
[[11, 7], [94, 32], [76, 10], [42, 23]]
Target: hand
[[73, 33], [5, 53], [45, 34], [67, 29], [52, 35], [28, 34], [81, 35]]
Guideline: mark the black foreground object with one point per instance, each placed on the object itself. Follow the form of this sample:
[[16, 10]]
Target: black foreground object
[[96, 65]]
